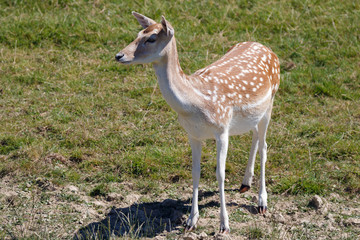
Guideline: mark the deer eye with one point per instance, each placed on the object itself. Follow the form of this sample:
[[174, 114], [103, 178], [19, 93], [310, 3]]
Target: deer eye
[[151, 39]]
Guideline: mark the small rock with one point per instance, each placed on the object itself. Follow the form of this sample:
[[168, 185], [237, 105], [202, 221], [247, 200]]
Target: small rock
[[330, 217], [11, 197], [132, 198], [220, 236], [189, 236], [316, 202], [278, 217], [203, 236], [73, 188], [113, 197], [352, 222], [254, 199]]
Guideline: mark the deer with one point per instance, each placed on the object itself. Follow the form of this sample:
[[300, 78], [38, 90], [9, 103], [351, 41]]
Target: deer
[[232, 96]]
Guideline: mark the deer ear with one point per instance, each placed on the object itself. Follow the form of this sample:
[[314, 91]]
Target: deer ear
[[167, 27], [143, 20]]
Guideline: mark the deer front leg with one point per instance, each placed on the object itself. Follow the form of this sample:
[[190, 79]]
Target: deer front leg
[[262, 192], [262, 126], [196, 156], [222, 141]]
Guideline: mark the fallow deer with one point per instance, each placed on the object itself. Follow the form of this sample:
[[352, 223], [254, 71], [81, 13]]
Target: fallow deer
[[232, 96]]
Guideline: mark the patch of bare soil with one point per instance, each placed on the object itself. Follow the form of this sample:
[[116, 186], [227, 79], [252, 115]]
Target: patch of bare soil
[[288, 217], [41, 210]]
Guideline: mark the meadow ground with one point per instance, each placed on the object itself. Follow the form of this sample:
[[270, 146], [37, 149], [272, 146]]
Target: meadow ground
[[80, 134]]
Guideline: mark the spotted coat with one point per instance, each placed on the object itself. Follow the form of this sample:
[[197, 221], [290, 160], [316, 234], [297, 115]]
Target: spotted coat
[[243, 76]]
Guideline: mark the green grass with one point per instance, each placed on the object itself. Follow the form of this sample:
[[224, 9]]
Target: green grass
[[255, 233], [62, 92]]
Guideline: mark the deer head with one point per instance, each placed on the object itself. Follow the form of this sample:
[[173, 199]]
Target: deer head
[[151, 44]]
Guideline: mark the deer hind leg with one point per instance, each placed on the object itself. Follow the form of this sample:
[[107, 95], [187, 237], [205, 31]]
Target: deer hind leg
[[262, 127], [196, 156], [222, 141], [249, 172]]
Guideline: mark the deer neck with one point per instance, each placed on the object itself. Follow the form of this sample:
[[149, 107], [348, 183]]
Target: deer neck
[[173, 82]]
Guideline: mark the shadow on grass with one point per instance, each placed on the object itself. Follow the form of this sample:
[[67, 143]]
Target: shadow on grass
[[146, 219]]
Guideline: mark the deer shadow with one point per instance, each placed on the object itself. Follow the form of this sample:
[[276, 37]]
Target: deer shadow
[[146, 219]]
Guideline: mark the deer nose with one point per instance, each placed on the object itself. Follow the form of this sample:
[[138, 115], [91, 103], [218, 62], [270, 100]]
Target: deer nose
[[119, 56]]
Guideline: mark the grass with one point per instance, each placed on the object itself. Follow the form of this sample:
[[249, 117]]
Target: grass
[[62, 93], [255, 233]]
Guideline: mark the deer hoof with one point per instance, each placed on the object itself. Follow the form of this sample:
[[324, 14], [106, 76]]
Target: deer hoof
[[262, 209], [189, 228], [224, 230], [244, 188]]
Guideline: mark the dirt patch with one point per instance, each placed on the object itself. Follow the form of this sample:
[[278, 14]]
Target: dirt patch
[[41, 210], [289, 217]]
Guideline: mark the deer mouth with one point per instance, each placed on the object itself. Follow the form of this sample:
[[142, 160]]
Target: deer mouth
[[124, 62], [121, 58]]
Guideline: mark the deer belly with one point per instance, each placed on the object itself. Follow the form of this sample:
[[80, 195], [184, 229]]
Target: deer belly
[[198, 128], [240, 125]]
